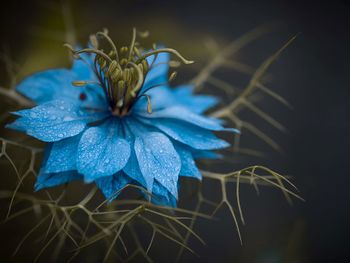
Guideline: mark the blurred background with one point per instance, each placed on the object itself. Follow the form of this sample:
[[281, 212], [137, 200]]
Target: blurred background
[[312, 74]]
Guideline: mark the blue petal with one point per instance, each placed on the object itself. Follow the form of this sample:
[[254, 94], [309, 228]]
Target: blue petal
[[57, 83], [102, 151], [95, 97], [205, 155], [83, 67], [196, 103], [158, 72], [132, 168], [188, 165], [63, 155], [158, 159], [45, 180], [189, 134], [54, 121], [161, 97], [48, 85], [161, 196], [183, 114], [111, 185]]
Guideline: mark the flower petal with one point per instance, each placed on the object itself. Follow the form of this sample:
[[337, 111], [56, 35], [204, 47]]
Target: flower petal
[[48, 85], [188, 165], [132, 168], [158, 73], [164, 96], [45, 180], [54, 121], [196, 103], [101, 151], [205, 155], [57, 83], [186, 133], [111, 185], [183, 114], [161, 97], [63, 155], [161, 196], [158, 159], [83, 67]]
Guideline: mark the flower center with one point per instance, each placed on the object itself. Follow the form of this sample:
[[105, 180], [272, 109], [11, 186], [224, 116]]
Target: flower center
[[121, 72]]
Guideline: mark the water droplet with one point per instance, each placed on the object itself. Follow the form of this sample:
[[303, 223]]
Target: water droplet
[[67, 118]]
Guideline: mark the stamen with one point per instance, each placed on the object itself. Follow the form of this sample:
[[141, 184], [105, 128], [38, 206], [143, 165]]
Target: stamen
[[149, 102], [132, 42], [122, 75], [139, 80], [79, 83], [111, 69], [172, 76], [110, 41], [88, 50], [82, 83], [167, 50]]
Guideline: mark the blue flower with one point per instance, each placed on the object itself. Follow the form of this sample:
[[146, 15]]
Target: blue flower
[[102, 129]]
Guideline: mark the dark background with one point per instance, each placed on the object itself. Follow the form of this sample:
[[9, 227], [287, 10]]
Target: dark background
[[313, 74]]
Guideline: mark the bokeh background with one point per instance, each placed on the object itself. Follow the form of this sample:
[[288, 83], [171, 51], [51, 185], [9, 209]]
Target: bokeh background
[[313, 74]]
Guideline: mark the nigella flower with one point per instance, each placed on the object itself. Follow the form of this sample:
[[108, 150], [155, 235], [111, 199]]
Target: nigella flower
[[113, 119]]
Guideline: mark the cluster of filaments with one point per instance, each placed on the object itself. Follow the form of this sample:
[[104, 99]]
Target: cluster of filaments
[[122, 72]]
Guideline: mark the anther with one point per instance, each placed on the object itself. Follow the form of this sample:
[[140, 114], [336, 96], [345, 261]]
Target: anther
[[79, 83], [115, 76], [111, 68], [123, 61], [124, 49], [172, 76], [121, 84]]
